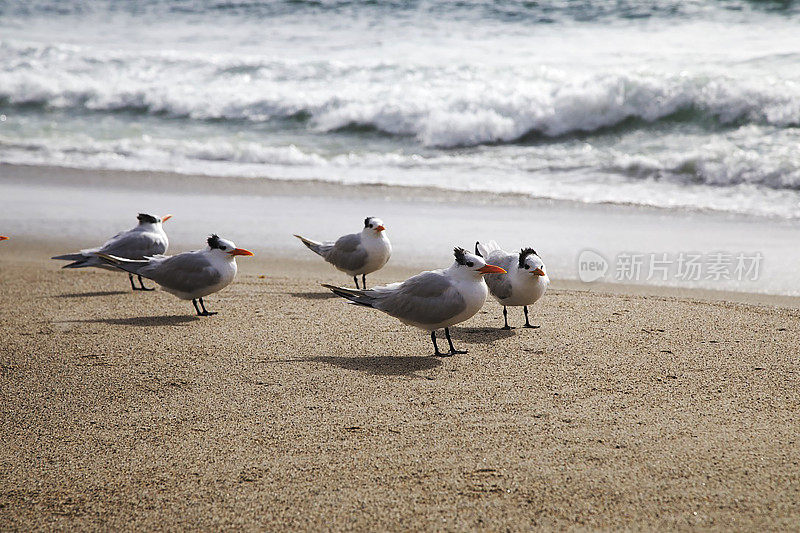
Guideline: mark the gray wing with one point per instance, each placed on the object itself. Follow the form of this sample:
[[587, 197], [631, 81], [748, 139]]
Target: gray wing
[[346, 253], [427, 298], [500, 284], [134, 245], [185, 272]]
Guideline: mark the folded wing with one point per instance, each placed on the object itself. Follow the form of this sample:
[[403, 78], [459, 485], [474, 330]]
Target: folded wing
[[500, 284], [183, 272], [132, 245], [427, 298], [346, 253]]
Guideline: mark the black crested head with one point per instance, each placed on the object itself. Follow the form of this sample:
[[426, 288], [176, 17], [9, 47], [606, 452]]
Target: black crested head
[[213, 242], [366, 221], [144, 217], [523, 254], [461, 255], [477, 252]]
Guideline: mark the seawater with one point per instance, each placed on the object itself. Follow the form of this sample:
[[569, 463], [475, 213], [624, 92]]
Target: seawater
[[681, 105]]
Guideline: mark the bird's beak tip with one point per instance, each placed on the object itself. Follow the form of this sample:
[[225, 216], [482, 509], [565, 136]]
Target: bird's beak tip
[[241, 251], [380, 228], [165, 218], [3, 238], [538, 272], [491, 269]]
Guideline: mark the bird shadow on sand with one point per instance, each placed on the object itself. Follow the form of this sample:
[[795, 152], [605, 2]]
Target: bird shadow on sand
[[171, 320], [380, 365], [314, 295], [89, 294], [482, 335]]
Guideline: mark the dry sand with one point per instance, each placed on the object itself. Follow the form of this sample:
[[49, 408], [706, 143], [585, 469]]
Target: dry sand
[[290, 409]]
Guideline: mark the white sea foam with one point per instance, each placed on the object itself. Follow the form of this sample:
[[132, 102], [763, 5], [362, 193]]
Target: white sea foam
[[557, 172], [477, 106]]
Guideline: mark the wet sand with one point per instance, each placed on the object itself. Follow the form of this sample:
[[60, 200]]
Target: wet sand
[[291, 409], [85, 207]]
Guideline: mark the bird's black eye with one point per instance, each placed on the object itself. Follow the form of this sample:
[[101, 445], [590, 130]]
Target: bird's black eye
[[470, 263]]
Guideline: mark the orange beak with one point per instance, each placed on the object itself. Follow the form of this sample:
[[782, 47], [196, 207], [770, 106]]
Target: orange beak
[[240, 251], [3, 238], [537, 272], [491, 269], [380, 228], [165, 218]]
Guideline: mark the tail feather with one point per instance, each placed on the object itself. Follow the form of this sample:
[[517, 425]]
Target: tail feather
[[78, 260], [312, 245], [484, 249], [69, 257], [128, 265], [80, 264], [356, 296]]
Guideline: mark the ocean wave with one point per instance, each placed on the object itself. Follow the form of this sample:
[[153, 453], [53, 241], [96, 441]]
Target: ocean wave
[[720, 165], [463, 174], [439, 106], [750, 155]]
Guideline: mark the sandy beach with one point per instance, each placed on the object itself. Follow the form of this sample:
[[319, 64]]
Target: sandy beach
[[647, 152], [291, 409]]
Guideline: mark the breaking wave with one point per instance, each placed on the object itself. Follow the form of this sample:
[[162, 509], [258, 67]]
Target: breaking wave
[[453, 108]]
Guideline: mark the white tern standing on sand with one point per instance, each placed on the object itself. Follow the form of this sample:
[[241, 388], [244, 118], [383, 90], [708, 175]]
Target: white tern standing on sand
[[357, 253], [431, 300], [525, 282], [190, 275], [146, 239]]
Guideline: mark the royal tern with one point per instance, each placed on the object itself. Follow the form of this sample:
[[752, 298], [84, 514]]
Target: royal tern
[[145, 240], [357, 253], [525, 282], [434, 299], [190, 275]]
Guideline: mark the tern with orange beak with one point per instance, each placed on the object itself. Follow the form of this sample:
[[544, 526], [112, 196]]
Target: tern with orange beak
[[432, 300], [190, 275], [357, 253], [146, 239], [525, 282]]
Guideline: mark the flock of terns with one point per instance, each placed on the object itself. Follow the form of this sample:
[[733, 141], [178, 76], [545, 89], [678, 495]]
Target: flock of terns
[[431, 300]]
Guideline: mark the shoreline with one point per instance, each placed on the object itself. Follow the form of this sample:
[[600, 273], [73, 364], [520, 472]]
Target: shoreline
[[85, 208], [266, 186]]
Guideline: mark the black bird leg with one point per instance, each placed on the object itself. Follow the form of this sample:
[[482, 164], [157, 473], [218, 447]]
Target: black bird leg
[[453, 350], [505, 318], [355, 279], [364, 281], [527, 324], [205, 312], [142, 284], [437, 353]]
